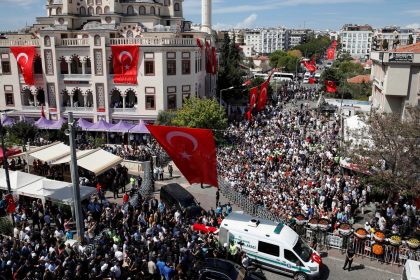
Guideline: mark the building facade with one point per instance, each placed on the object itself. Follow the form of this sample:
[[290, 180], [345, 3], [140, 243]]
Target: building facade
[[396, 79], [74, 67], [265, 41], [357, 40], [392, 37], [298, 37]]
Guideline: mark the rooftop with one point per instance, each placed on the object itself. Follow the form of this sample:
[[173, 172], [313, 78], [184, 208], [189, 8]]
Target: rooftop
[[414, 48], [359, 79]]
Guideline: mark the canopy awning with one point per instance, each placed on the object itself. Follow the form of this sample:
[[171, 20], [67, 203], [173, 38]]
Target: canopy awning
[[58, 124], [54, 191], [99, 161], [51, 152], [100, 126], [44, 123], [140, 128], [18, 179], [84, 124], [67, 159], [122, 126]]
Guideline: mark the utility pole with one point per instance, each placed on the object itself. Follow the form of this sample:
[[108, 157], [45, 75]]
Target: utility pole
[[75, 179], [6, 166]]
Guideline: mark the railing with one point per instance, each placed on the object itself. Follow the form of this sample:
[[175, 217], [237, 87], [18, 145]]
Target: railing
[[31, 108], [77, 77], [10, 43], [123, 110], [396, 255], [74, 42], [78, 109], [153, 41]]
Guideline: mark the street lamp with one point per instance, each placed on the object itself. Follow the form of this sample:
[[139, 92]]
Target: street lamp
[[6, 165], [220, 94]]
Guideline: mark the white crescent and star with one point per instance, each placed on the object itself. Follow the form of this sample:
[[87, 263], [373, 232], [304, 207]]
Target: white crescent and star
[[126, 53], [20, 55], [193, 140]]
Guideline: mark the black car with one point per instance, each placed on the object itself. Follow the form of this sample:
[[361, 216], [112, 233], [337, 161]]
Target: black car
[[174, 195], [221, 269]]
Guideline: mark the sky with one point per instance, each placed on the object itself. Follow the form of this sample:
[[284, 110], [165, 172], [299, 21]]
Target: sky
[[314, 14]]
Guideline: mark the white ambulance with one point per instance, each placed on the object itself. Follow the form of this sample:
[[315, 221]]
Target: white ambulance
[[272, 246]]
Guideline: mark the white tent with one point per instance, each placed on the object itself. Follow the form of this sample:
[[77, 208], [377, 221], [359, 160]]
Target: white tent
[[357, 131], [50, 153], [54, 191], [97, 161], [18, 179]]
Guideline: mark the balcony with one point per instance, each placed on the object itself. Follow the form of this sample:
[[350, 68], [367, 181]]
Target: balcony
[[176, 42], [73, 42], [77, 77], [10, 43], [123, 110], [78, 109], [31, 108]]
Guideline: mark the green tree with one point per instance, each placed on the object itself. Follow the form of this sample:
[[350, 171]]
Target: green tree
[[344, 56], [410, 39], [165, 117], [385, 45], [392, 152], [349, 69], [201, 113], [22, 132], [314, 46], [331, 74], [286, 61]]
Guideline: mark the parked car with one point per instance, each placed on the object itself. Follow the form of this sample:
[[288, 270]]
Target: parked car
[[174, 195], [221, 269]]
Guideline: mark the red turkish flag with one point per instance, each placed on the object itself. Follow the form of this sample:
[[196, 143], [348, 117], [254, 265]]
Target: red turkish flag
[[311, 80], [331, 54], [253, 96], [214, 60], [334, 44], [192, 149], [331, 86], [209, 66], [42, 112], [204, 228], [11, 206], [199, 44], [125, 58], [310, 67], [247, 83], [262, 99], [25, 59]]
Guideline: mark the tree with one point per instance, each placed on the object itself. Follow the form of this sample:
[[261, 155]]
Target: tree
[[344, 56], [393, 152], [165, 117], [314, 46], [201, 113], [385, 44], [331, 74], [22, 132], [410, 39], [286, 61]]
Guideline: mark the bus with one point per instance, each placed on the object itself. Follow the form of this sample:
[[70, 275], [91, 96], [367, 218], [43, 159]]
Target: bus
[[283, 77], [261, 75]]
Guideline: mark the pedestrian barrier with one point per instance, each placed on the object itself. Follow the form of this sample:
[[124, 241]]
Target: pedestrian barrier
[[395, 255]]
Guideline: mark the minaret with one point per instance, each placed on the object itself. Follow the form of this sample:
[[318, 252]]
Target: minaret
[[206, 16]]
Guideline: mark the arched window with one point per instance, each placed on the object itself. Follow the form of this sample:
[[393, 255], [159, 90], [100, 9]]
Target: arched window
[[90, 11], [37, 65], [47, 41], [64, 69], [82, 11], [142, 10], [88, 66], [152, 10], [27, 97], [116, 99], [98, 10], [130, 10], [78, 100], [176, 7], [65, 98], [97, 40], [130, 99], [76, 65], [40, 97], [107, 10], [58, 11], [89, 98], [130, 34]]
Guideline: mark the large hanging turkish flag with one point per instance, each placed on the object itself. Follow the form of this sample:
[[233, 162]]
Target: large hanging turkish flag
[[193, 151], [262, 99], [214, 60], [331, 53], [209, 60], [25, 59], [331, 86], [125, 58], [253, 97]]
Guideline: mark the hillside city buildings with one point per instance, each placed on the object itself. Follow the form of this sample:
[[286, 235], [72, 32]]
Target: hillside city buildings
[[74, 66]]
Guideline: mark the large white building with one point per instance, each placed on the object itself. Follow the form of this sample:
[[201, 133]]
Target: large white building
[[396, 79], [265, 41], [356, 40], [74, 65], [393, 37]]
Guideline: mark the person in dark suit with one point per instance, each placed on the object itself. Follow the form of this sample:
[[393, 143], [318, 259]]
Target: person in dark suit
[[349, 258]]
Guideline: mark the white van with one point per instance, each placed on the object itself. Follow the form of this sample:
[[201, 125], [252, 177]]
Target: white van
[[272, 246], [411, 270]]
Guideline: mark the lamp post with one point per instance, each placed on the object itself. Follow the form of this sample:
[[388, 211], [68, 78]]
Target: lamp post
[[75, 179], [220, 94]]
